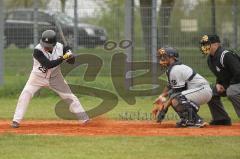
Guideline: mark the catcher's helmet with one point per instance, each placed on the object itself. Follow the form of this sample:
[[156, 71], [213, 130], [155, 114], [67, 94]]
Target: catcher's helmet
[[165, 53], [206, 41], [49, 39]]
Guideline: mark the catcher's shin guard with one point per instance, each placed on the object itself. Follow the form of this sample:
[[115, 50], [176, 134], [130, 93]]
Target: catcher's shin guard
[[187, 111]]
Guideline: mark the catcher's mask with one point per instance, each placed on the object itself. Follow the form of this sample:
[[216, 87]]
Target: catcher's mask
[[49, 39], [206, 41], [164, 54]]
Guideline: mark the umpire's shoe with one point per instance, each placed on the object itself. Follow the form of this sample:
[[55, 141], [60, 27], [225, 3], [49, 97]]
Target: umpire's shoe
[[226, 122], [15, 124]]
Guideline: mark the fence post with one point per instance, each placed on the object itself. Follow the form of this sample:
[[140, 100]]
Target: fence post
[[129, 25], [1, 39], [235, 24], [75, 36], [35, 25], [213, 9], [154, 41]]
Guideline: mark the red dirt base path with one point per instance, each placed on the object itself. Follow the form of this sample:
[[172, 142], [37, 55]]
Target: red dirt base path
[[106, 127]]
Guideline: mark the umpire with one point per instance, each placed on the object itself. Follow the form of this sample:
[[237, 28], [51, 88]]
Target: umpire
[[225, 65]]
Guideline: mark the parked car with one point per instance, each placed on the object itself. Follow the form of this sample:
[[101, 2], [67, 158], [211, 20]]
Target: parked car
[[19, 30]]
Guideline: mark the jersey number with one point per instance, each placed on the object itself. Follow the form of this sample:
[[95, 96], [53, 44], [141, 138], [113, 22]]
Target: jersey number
[[43, 69], [173, 82]]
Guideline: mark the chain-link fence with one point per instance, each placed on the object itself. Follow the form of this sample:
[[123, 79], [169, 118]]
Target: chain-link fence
[[180, 26]]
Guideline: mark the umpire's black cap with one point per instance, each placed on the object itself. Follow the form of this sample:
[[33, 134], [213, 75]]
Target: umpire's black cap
[[212, 38]]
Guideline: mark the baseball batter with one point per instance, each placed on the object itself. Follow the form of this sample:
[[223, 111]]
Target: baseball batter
[[46, 72], [187, 90]]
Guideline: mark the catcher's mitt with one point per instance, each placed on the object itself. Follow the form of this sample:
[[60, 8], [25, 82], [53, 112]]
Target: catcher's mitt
[[161, 114], [158, 110]]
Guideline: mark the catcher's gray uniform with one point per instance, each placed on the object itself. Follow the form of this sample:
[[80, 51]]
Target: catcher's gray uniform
[[192, 85], [187, 89], [47, 77]]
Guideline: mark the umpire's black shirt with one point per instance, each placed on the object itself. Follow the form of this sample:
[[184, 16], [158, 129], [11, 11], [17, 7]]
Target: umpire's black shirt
[[226, 67]]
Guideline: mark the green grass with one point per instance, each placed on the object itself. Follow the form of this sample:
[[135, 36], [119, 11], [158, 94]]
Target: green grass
[[43, 108], [18, 64], [19, 61], [45, 147]]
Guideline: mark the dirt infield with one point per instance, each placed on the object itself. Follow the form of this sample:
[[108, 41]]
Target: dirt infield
[[105, 127]]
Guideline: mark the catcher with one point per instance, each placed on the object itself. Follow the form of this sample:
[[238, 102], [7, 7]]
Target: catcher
[[186, 91]]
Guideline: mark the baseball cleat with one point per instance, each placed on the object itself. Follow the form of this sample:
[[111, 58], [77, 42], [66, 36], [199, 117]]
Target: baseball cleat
[[198, 124], [226, 122], [15, 124], [201, 124], [86, 121], [182, 123]]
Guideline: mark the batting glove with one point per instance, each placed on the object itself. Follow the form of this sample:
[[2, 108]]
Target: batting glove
[[67, 55]]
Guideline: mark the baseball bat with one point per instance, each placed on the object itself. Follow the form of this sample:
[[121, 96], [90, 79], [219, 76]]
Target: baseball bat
[[61, 33]]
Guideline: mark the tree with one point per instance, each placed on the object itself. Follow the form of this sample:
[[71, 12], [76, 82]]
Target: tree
[[164, 20], [112, 14], [146, 14], [10, 4], [63, 5]]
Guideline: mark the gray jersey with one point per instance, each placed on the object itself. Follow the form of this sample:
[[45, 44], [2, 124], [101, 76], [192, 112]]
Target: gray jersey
[[197, 90], [180, 74]]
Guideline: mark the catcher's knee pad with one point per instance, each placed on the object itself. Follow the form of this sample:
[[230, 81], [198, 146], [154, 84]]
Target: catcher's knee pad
[[185, 109], [180, 102]]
